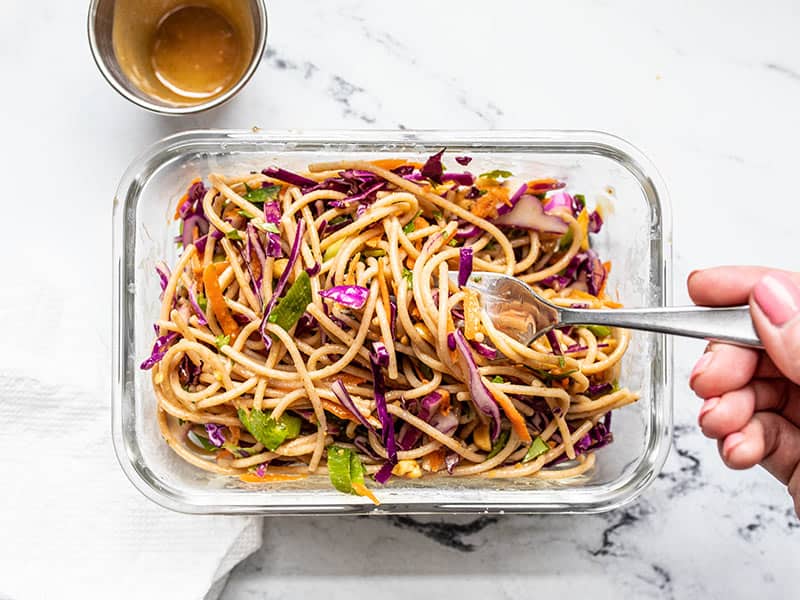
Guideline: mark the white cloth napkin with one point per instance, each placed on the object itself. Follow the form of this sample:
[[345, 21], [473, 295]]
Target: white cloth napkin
[[71, 525]]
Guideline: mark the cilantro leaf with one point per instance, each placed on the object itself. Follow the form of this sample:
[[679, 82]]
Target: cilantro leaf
[[496, 174], [409, 277], [537, 448], [262, 194], [222, 340], [268, 431], [292, 306]]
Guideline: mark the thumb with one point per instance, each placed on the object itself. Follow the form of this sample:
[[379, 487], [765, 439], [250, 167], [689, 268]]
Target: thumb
[[775, 308]]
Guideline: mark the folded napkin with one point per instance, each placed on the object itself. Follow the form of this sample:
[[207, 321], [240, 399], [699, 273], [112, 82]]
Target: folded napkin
[[71, 524]]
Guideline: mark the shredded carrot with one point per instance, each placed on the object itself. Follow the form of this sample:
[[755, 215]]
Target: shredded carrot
[[349, 379], [235, 433], [539, 186], [444, 405], [350, 278], [217, 300], [607, 267], [472, 311], [224, 455], [362, 490], [580, 295], [384, 290], [338, 410], [420, 223], [393, 163], [184, 198], [517, 420], [583, 222], [410, 261], [486, 205], [612, 304], [434, 461], [269, 477], [449, 237], [177, 214]]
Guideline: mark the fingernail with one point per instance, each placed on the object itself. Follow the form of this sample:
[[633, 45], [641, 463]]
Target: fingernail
[[701, 365], [708, 406], [731, 443], [778, 296]]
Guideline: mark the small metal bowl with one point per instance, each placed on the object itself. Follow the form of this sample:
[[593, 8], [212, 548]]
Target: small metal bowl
[[100, 29]]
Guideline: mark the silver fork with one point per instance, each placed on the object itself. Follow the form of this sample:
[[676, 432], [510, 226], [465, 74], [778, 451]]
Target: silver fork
[[520, 312]]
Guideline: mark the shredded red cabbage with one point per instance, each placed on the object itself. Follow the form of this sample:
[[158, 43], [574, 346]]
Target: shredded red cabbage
[[504, 208], [163, 276], [484, 349], [464, 178], [393, 317], [160, 348], [425, 410], [306, 324], [468, 231], [562, 201], [338, 389], [201, 316], [463, 160], [447, 424], [378, 358], [557, 282], [473, 193], [595, 222], [215, 435], [187, 229], [481, 396], [451, 460], [272, 214], [597, 389], [464, 266], [529, 214], [188, 372], [433, 169], [351, 296], [553, 339], [281, 284], [598, 436], [289, 177]]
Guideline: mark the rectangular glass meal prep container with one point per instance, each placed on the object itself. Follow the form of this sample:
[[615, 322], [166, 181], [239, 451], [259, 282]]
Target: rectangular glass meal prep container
[[636, 238]]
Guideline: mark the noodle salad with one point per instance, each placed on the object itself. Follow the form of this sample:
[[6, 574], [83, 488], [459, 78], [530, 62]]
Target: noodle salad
[[309, 325]]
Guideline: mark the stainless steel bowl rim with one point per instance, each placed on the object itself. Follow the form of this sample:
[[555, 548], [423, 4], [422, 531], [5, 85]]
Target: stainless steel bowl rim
[[259, 48]]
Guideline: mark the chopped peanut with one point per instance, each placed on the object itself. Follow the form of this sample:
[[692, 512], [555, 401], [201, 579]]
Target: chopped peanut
[[481, 437], [407, 468]]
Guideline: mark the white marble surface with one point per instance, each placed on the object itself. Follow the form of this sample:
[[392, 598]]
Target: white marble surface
[[710, 91]]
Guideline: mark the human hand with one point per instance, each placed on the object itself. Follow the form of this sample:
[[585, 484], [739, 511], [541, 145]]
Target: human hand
[[752, 397]]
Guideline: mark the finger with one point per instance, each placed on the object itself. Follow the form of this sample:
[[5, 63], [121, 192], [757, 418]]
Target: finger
[[766, 369], [768, 439], [723, 368], [775, 308], [720, 416], [723, 286]]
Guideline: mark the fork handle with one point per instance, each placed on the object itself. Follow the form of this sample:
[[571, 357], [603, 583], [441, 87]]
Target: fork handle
[[729, 324]]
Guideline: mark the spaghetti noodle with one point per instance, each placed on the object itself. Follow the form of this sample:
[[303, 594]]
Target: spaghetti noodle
[[310, 324]]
